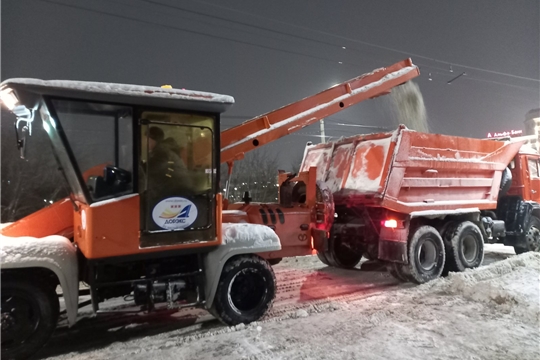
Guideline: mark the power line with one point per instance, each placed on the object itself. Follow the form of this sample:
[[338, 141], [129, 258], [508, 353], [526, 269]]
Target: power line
[[186, 30], [371, 44], [230, 39], [297, 36]]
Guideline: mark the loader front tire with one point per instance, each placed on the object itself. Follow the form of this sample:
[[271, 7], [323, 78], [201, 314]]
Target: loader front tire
[[246, 290], [29, 317]]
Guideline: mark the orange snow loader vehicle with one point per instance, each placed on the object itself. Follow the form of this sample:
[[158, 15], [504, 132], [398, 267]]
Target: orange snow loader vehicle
[[426, 203], [145, 216]]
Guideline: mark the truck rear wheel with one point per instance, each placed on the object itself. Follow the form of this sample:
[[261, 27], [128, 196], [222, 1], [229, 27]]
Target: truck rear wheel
[[532, 236], [246, 290], [426, 255], [464, 246], [341, 253], [29, 317]]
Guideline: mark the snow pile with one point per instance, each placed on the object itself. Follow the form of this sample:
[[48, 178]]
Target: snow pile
[[511, 286], [50, 249], [409, 107], [258, 235]]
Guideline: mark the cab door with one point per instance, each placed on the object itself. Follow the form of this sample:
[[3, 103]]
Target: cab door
[[177, 179], [534, 177]]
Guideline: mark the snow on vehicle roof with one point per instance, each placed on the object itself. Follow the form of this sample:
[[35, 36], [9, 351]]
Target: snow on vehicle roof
[[125, 89]]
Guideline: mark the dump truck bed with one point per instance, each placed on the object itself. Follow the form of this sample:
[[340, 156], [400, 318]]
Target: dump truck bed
[[409, 171]]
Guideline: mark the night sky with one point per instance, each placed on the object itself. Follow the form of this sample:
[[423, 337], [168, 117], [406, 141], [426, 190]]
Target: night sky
[[269, 53]]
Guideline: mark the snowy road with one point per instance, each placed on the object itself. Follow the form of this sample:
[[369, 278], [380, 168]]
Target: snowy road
[[328, 313]]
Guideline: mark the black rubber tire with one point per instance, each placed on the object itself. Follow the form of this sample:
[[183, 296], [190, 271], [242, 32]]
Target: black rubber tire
[[396, 270], [40, 303], [340, 255], [274, 261], [246, 290], [426, 255], [323, 258], [533, 237], [464, 246]]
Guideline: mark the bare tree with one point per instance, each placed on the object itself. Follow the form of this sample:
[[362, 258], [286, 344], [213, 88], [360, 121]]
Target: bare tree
[[256, 173]]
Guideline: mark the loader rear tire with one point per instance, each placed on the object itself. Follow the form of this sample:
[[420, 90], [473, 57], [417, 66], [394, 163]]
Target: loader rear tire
[[464, 246], [246, 290], [426, 255], [323, 258], [29, 317], [532, 236], [341, 254]]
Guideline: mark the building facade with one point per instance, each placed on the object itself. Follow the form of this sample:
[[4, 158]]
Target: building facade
[[532, 129]]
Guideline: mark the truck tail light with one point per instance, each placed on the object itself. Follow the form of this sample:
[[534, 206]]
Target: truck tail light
[[390, 223]]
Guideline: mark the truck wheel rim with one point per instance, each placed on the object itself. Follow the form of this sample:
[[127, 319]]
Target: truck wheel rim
[[427, 255], [246, 290], [20, 319], [469, 248], [533, 239]]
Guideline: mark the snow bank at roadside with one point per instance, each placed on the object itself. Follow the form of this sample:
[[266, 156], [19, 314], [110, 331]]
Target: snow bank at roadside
[[510, 286]]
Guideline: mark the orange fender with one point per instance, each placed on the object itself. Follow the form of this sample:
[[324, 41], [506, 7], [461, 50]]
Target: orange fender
[[56, 219]]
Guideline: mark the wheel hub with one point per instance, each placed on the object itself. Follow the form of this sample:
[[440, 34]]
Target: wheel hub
[[246, 290], [469, 248], [8, 321], [533, 239], [427, 255], [19, 320]]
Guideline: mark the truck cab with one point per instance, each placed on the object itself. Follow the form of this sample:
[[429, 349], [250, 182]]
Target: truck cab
[[525, 170]]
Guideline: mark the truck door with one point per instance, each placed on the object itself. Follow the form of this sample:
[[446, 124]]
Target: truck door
[[177, 178], [534, 178]]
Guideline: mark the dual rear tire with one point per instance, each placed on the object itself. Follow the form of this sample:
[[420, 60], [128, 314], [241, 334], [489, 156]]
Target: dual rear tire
[[431, 255]]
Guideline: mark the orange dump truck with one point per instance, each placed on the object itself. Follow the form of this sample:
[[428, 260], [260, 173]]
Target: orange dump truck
[[425, 203]]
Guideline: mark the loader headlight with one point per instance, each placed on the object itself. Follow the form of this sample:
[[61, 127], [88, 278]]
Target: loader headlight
[[9, 98]]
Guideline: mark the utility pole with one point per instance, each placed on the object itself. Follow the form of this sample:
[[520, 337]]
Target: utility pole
[[323, 136]]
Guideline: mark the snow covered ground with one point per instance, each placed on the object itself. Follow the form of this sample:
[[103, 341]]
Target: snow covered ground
[[322, 313]]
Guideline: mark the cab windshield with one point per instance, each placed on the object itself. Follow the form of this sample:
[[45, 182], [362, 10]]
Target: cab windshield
[[98, 149]]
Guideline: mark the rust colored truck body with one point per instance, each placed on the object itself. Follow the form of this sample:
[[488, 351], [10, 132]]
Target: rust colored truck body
[[387, 186]]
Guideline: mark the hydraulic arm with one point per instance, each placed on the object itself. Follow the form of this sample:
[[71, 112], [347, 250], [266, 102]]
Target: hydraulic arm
[[261, 130]]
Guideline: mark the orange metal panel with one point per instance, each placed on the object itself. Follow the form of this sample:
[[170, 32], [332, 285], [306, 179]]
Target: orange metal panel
[[56, 219], [411, 171], [111, 228]]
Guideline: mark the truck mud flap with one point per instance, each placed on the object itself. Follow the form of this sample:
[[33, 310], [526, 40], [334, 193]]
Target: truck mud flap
[[394, 251]]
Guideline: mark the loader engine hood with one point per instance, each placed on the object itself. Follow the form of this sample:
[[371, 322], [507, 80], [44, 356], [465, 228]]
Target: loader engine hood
[[56, 219]]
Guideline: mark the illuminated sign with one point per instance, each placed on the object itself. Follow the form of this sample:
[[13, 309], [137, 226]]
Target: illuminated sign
[[510, 133]]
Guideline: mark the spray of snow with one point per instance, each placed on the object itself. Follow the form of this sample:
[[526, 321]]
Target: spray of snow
[[307, 113], [409, 107]]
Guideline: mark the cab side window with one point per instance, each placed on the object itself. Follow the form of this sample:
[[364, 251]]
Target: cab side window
[[534, 168]]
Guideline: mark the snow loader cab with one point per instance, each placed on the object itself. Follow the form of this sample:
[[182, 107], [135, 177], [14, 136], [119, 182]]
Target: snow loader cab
[[144, 216]]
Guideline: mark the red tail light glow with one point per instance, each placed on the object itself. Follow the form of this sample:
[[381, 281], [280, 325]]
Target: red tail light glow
[[390, 223]]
